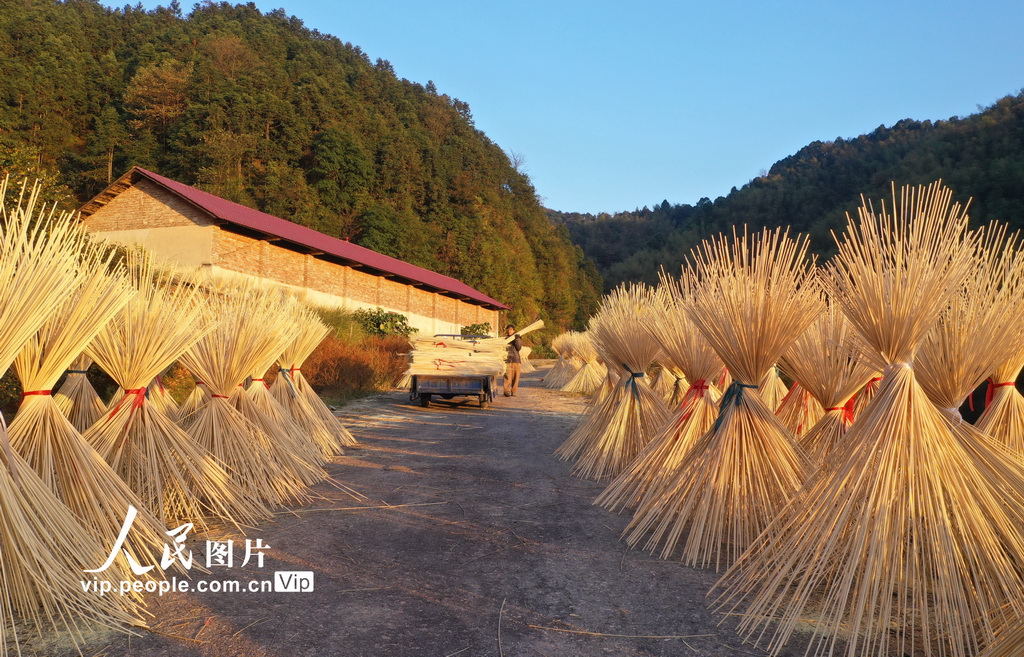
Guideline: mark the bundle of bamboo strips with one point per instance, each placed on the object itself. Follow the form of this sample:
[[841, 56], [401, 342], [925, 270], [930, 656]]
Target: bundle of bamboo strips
[[247, 326], [464, 357], [589, 377], [198, 396], [159, 397], [683, 346], [772, 389], [77, 399], [912, 539], [824, 359], [175, 478], [524, 355], [566, 365], [670, 383], [799, 410], [755, 295], [613, 435], [48, 441], [278, 421], [865, 395], [980, 327], [297, 452], [1003, 418], [45, 548], [291, 389]]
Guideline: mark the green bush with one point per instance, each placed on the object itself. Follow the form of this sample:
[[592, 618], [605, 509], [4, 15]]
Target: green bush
[[477, 329], [381, 322]]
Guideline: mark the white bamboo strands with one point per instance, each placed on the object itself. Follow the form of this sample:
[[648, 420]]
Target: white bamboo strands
[[755, 295], [1003, 418], [911, 540], [77, 399], [52, 446], [608, 440], [176, 478], [524, 355], [823, 358], [589, 377], [799, 411], [980, 328], [45, 548], [566, 365], [682, 345], [294, 392], [248, 324]]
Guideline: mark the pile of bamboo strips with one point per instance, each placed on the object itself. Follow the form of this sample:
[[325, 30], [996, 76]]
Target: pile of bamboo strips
[[45, 547], [823, 358], [76, 398], [911, 536], [565, 367], [294, 393], [592, 373], [1003, 418], [682, 345], [799, 410], [624, 422], [754, 295]]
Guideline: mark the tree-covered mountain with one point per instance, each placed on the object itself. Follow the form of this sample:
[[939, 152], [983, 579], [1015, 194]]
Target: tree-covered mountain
[[980, 156], [261, 110]]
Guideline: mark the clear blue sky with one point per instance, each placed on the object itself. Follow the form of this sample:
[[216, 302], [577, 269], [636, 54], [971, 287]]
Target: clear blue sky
[[617, 105]]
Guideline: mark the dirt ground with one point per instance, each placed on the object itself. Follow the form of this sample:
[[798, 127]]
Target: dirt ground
[[473, 540]]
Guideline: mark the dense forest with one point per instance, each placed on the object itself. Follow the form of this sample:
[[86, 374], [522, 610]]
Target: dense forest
[[261, 110], [981, 157]]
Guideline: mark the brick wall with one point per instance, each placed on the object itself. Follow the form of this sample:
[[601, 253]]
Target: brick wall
[[146, 214], [145, 205]]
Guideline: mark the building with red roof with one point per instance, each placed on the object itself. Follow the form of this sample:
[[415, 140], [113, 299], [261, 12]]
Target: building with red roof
[[188, 227]]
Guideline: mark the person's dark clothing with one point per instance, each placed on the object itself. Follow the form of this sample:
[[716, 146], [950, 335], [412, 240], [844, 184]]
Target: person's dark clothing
[[513, 350]]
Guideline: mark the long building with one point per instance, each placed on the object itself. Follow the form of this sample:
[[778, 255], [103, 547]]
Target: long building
[[187, 227]]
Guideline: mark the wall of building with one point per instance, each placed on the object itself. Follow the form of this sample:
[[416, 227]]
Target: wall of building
[[177, 232]]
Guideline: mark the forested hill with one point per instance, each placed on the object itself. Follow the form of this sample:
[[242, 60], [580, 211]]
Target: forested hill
[[980, 156], [261, 110]]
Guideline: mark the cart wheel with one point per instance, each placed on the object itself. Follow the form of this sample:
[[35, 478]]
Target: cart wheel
[[424, 400]]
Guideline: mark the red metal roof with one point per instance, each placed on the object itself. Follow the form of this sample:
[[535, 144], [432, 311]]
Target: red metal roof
[[288, 231]]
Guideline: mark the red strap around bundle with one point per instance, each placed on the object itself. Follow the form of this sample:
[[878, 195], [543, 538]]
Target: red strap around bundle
[[140, 397], [29, 393], [696, 389], [219, 396], [847, 409]]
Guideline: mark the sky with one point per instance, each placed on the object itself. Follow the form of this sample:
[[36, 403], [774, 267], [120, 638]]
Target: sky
[[614, 105]]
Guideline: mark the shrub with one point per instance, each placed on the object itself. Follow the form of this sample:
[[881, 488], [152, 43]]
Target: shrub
[[477, 329], [381, 322], [341, 369]]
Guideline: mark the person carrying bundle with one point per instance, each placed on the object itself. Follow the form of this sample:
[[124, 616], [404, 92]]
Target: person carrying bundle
[[514, 367]]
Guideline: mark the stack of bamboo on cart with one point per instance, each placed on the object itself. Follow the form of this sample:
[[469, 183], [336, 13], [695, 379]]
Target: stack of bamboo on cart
[[478, 356]]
